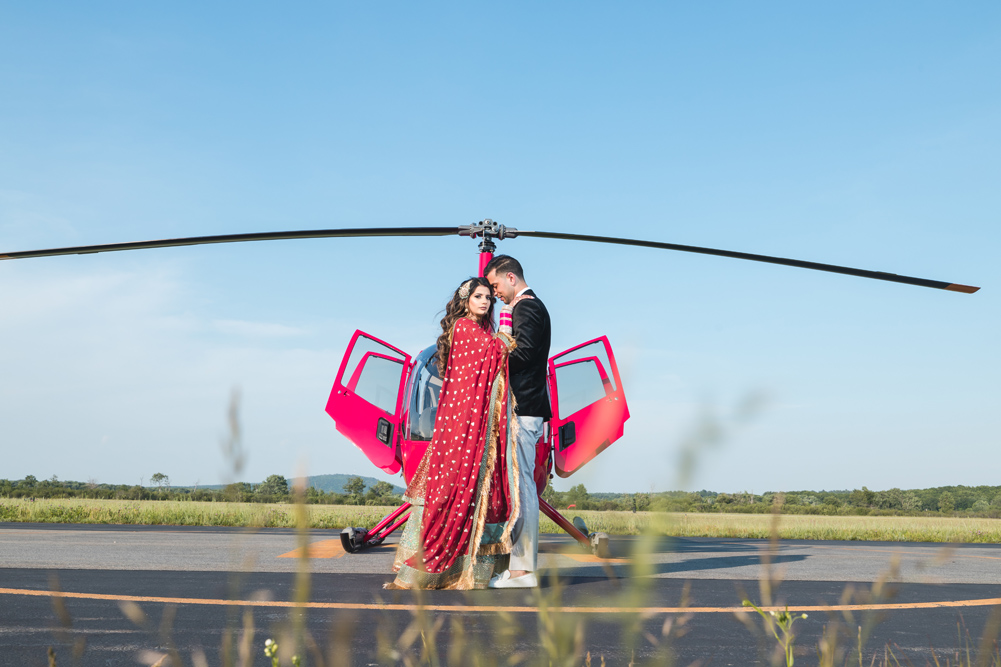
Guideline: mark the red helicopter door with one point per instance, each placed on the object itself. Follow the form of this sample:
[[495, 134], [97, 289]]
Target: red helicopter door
[[366, 401], [589, 406]]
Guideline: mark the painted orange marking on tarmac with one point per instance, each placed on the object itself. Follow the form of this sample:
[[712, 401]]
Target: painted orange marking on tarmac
[[321, 549], [985, 602], [577, 555], [589, 558]]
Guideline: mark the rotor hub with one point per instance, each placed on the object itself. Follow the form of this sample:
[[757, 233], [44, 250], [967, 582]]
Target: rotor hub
[[488, 230]]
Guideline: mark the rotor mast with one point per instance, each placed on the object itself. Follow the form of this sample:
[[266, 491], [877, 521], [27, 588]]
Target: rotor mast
[[488, 230]]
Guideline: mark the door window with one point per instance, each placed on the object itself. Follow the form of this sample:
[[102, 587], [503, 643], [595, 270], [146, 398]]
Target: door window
[[581, 384], [583, 376], [374, 371]]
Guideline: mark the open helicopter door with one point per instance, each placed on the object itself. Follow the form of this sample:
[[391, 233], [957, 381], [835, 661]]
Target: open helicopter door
[[589, 406], [366, 401]]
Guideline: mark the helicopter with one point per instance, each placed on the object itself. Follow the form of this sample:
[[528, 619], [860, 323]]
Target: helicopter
[[385, 400]]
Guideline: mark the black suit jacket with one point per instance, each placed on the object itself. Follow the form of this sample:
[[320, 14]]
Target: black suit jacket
[[529, 361]]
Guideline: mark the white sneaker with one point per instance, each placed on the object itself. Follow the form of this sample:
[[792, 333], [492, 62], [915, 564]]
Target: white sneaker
[[505, 580]]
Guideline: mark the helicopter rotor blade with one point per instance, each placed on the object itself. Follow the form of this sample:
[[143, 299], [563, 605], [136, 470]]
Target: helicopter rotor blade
[[816, 266], [235, 238], [465, 231]]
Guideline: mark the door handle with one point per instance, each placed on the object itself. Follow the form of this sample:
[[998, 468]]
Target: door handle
[[568, 435], [384, 430]]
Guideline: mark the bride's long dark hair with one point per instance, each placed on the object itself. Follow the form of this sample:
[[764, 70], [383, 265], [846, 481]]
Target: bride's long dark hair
[[456, 308]]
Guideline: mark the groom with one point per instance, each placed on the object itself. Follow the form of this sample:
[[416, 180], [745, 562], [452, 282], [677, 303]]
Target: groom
[[527, 367]]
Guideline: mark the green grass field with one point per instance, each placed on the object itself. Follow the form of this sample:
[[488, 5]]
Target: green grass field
[[185, 513]]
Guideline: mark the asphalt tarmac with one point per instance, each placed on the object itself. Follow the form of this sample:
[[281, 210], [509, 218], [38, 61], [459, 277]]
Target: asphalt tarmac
[[125, 595]]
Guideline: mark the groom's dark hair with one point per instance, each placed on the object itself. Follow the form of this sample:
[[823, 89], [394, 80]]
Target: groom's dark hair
[[504, 264]]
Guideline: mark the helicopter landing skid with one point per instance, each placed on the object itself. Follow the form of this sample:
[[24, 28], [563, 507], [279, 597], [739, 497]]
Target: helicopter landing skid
[[354, 540], [596, 543]]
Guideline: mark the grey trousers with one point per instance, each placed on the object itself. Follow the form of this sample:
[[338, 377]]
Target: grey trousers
[[525, 552]]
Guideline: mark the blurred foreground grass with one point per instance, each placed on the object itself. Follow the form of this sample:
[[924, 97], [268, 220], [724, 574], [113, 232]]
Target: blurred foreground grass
[[793, 527]]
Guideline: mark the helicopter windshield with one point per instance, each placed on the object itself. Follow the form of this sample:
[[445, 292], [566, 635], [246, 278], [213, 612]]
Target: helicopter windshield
[[424, 395]]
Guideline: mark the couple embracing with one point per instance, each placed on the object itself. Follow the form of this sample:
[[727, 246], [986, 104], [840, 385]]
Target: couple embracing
[[475, 516]]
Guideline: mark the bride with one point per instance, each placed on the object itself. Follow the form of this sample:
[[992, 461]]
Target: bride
[[465, 490]]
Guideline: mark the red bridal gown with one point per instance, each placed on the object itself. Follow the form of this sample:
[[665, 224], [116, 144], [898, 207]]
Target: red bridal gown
[[465, 490]]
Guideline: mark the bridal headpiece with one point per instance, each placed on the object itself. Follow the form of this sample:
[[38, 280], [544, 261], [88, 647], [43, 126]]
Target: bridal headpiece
[[464, 290]]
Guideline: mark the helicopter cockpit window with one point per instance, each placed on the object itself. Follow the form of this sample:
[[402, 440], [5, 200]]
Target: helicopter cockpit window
[[373, 373], [582, 376], [424, 396]]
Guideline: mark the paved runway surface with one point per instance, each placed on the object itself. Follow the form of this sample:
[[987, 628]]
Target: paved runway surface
[[128, 593]]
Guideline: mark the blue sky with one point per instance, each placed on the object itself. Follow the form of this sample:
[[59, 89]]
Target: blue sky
[[860, 135]]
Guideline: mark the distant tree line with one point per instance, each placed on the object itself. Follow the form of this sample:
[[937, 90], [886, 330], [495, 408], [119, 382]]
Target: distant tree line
[[274, 489], [944, 500]]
